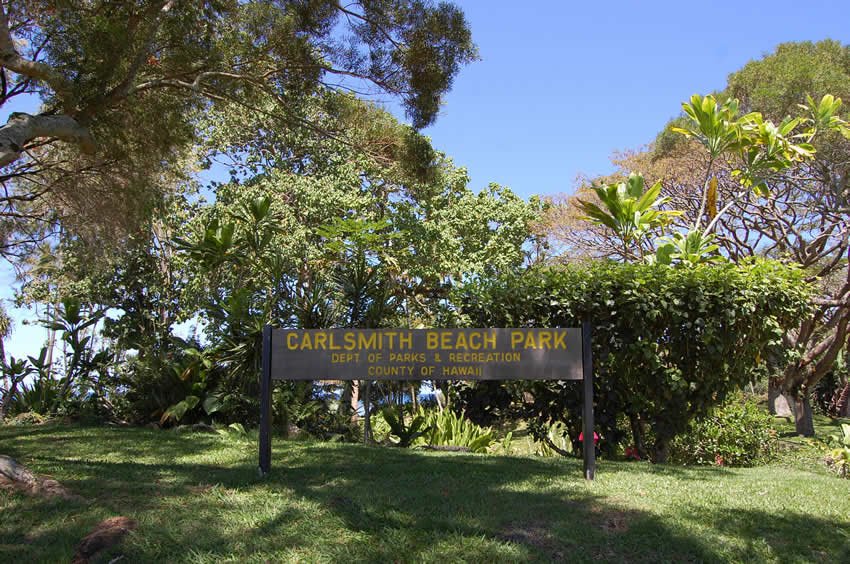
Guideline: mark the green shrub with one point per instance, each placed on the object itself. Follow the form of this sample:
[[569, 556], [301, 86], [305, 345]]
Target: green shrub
[[838, 457], [669, 343], [737, 433], [446, 428]]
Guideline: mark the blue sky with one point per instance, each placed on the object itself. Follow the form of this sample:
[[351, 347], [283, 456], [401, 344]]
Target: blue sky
[[562, 85]]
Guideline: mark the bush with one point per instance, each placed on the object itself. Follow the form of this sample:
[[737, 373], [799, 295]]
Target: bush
[[838, 457], [669, 343], [737, 433]]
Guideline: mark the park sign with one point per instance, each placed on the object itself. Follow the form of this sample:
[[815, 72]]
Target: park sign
[[426, 354]]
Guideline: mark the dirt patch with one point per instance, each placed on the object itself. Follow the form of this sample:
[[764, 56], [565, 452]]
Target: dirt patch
[[611, 521], [106, 534], [535, 534], [615, 522], [200, 489]]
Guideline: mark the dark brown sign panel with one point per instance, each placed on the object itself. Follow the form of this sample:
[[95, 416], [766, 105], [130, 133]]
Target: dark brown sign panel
[[426, 354]]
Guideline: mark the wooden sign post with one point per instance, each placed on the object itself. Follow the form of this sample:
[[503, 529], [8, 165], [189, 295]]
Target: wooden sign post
[[427, 354]]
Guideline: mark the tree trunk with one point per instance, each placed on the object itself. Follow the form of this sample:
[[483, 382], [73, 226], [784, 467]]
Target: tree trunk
[[355, 400], [660, 451], [15, 472], [842, 403], [414, 398], [803, 420], [367, 413], [777, 402], [638, 436]]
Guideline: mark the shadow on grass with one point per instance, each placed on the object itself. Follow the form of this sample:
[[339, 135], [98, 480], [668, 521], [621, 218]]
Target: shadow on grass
[[352, 503]]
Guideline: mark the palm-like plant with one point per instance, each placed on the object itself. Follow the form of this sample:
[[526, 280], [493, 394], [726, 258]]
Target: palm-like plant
[[630, 210]]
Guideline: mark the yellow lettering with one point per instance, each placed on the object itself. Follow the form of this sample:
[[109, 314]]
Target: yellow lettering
[[516, 338], [560, 340], [489, 340], [332, 344], [306, 343], [391, 335], [432, 340], [530, 343], [370, 342], [350, 341], [460, 343], [320, 340], [292, 341], [405, 340], [545, 339], [445, 340]]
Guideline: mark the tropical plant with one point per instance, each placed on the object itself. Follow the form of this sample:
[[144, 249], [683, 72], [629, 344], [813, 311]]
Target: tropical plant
[[760, 148], [551, 439], [447, 428], [689, 249], [14, 372], [77, 325], [630, 210], [405, 433]]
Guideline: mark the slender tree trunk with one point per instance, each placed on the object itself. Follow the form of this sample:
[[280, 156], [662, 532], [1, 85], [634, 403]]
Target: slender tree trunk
[[355, 400], [414, 397], [638, 436], [367, 413], [7, 393], [344, 407], [842, 406]]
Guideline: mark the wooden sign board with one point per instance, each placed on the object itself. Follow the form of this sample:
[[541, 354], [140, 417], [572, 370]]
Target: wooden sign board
[[427, 354]]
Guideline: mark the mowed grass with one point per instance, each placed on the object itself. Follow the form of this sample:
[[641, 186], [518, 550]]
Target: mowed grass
[[198, 498]]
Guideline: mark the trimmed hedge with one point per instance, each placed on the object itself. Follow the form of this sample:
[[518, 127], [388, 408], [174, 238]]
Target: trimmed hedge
[[669, 343]]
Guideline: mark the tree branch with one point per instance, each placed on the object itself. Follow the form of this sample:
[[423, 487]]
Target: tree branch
[[23, 128], [10, 59]]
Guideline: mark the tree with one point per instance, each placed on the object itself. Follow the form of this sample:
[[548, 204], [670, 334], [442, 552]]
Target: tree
[[799, 214], [123, 85]]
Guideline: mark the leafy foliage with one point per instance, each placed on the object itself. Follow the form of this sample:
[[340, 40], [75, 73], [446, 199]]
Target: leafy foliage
[[127, 84], [669, 343], [447, 428], [631, 211], [838, 457], [405, 433], [737, 433]]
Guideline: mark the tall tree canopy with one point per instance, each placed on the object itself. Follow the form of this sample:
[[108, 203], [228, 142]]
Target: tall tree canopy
[[123, 85]]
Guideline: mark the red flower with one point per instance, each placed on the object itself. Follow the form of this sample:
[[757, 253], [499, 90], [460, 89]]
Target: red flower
[[595, 438], [632, 452], [718, 459]]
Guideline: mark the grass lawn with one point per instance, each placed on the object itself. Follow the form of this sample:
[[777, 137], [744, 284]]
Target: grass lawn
[[197, 498]]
